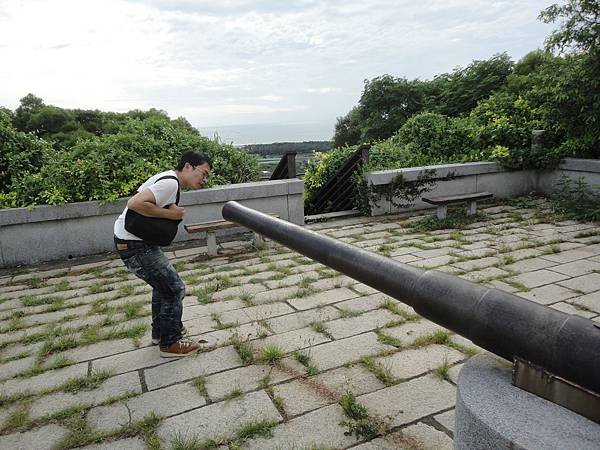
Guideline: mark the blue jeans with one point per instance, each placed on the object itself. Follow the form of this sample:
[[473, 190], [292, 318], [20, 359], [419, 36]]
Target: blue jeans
[[149, 263]]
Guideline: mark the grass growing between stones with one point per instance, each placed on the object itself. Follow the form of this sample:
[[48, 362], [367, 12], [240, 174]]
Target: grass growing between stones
[[393, 307], [200, 384], [454, 219], [80, 434], [246, 431], [271, 353], [305, 359], [243, 349], [443, 370], [359, 423], [388, 340], [320, 327], [383, 374]]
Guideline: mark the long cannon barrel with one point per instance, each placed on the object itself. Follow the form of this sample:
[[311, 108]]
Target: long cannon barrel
[[507, 325]]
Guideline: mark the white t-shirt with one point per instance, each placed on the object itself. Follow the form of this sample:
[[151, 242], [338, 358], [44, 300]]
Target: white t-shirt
[[165, 193]]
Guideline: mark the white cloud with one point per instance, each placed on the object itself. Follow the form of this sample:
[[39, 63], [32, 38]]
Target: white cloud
[[323, 90], [239, 61]]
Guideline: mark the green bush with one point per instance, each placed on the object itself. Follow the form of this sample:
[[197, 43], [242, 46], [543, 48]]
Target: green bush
[[109, 166]]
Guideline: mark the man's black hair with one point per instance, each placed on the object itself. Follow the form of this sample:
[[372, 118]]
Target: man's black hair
[[194, 158]]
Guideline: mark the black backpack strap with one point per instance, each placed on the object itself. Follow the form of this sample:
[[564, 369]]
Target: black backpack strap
[[166, 177]]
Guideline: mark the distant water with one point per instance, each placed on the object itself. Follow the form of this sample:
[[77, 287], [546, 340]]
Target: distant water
[[269, 133]]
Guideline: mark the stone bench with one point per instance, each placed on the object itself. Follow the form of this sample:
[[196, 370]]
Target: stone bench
[[443, 202], [210, 228]]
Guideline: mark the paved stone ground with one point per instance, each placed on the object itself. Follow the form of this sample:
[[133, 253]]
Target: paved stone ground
[[299, 356]]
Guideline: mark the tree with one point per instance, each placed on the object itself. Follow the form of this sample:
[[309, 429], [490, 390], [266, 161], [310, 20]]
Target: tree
[[458, 92], [347, 129], [580, 30], [30, 104], [386, 103]]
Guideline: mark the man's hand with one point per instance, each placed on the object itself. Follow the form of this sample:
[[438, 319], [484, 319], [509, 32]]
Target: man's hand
[[177, 212], [145, 204]]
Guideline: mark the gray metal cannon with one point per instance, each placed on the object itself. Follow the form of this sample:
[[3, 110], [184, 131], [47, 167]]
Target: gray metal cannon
[[562, 345]]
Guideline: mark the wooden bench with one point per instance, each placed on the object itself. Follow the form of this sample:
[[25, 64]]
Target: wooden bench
[[210, 228], [443, 202]]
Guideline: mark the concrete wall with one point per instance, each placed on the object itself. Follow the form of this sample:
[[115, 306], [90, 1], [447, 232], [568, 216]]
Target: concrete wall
[[48, 233], [573, 168], [466, 178]]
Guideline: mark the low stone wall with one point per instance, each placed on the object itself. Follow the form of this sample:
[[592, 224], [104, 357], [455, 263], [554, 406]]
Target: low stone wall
[[484, 176], [48, 233], [573, 168], [464, 178]]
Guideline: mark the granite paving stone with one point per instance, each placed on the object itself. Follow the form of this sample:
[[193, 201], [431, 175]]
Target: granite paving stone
[[585, 283], [322, 298], [364, 289], [366, 303], [368, 321], [417, 436], [446, 419], [589, 301], [407, 333], [550, 293], [98, 350], [529, 265], [275, 295], [317, 429], [119, 385], [134, 443], [354, 378], [164, 402], [237, 291], [332, 283], [252, 313], [291, 280], [220, 419], [484, 274], [47, 380], [198, 310], [577, 268], [302, 395], [476, 264], [568, 256], [127, 361], [411, 400], [573, 309], [246, 379], [538, 278], [44, 438], [245, 332], [340, 352], [291, 340], [301, 319], [192, 366], [410, 363], [11, 368]]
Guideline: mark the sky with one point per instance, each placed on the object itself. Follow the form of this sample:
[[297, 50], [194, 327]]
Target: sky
[[240, 62]]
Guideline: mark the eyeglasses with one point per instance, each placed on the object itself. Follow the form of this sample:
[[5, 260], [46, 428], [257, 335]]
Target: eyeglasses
[[204, 172]]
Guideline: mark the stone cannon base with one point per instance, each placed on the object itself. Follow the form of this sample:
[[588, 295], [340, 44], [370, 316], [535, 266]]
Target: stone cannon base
[[491, 413]]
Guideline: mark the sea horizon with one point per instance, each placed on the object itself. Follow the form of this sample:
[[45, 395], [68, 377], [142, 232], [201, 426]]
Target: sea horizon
[[268, 133]]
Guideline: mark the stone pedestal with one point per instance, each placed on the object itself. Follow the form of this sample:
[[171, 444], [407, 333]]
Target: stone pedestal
[[491, 413]]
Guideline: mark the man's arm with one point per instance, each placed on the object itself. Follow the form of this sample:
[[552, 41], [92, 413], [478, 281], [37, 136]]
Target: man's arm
[[144, 203]]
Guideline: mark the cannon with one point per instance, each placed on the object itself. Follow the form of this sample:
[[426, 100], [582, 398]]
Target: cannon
[[563, 346]]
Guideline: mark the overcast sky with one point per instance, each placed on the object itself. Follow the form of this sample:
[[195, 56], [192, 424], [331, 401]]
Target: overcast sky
[[226, 62]]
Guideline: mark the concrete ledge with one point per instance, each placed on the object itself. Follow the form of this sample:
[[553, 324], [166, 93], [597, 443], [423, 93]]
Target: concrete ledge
[[492, 413], [50, 233], [580, 165], [219, 194], [466, 178], [379, 177]]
